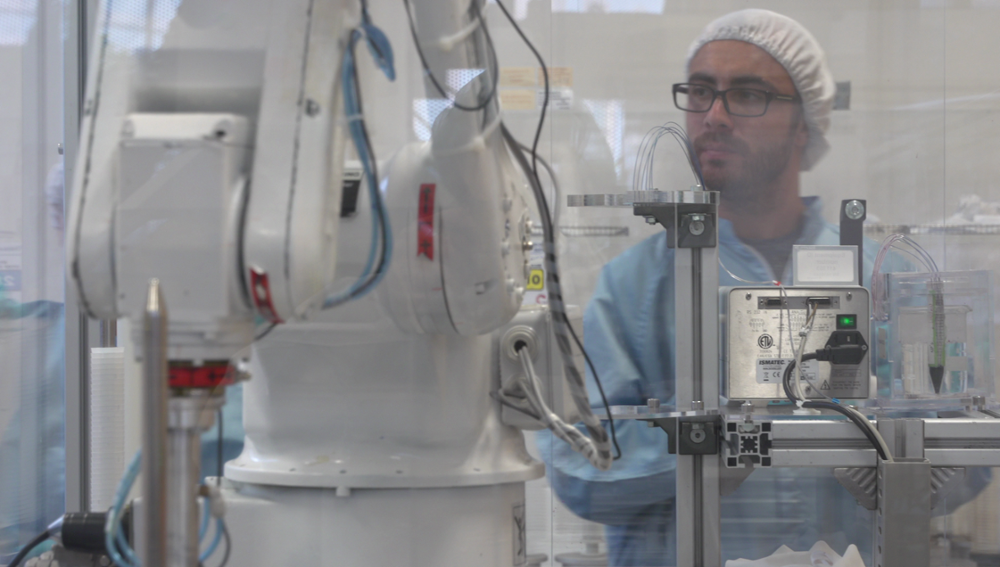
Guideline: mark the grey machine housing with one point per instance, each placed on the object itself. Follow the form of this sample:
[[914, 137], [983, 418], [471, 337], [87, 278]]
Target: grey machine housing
[[755, 340]]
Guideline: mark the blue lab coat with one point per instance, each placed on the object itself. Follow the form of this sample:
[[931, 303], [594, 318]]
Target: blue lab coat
[[629, 334]]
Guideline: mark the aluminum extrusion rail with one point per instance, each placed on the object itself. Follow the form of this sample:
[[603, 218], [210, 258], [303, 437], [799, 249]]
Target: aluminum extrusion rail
[[947, 443]]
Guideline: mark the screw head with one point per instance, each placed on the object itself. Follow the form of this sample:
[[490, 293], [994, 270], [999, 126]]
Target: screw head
[[697, 228], [697, 435], [653, 403], [312, 107], [650, 220], [854, 209]]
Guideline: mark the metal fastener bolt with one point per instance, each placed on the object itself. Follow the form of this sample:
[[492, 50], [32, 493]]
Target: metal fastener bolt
[[696, 228], [849, 296], [650, 220], [749, 296], [979, 402], [653, 403], [312, 108], [854, 209], [697, 435], [697, 405]]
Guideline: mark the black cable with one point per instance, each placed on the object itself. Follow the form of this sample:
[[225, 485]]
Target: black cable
[[39, 539], [545, 75], [544, 209], [863, 424], [423, 60], [553, 276], [600, 388], [266, 332]]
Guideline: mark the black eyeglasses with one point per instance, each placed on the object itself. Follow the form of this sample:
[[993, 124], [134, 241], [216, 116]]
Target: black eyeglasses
[[740, 101]]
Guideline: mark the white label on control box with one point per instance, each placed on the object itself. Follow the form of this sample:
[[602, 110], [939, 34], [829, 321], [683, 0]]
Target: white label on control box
[[829, 265], [770, 370]]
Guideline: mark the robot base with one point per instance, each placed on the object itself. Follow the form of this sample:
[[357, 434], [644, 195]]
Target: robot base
[[480, 526]]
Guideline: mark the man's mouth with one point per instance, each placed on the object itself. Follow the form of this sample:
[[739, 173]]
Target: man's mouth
[[716, 152]]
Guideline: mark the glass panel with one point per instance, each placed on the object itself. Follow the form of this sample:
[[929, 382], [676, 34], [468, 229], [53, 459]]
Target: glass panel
[[376, 434], [32, 404]]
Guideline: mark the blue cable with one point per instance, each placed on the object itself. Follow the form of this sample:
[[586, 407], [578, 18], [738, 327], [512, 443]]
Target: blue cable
[[215, 541], [114, 518], [206, 512], [381, 50], [114, 539]]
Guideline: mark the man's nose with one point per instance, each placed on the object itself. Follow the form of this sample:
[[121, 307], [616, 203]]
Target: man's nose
[[717, 117]]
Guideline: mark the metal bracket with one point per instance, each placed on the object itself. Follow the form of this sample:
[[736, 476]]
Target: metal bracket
[[688, 225], [697, 434], [862, 483]]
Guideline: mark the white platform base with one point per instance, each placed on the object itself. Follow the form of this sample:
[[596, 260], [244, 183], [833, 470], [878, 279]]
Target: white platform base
[[479, 526]]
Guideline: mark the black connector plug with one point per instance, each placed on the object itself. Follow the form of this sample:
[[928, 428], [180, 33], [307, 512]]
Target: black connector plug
[[844, 347]]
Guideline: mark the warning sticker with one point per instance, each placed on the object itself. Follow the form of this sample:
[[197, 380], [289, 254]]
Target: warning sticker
[[536, 279], [518, 77], [771, 370], [425, 221]]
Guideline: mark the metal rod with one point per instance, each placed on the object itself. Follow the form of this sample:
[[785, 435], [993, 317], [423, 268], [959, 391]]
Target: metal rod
[[154, 431], [696, 338], [184, 466], [191, 413]]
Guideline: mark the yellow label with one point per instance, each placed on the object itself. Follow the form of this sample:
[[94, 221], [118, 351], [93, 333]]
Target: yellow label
[[558, 77], [518, 77], [519, 99], [536, 280]]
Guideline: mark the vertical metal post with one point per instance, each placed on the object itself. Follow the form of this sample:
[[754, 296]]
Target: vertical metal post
[[154, 431], [696, 313], [77, 341], [190, 414], [708, 377], [903, 510]]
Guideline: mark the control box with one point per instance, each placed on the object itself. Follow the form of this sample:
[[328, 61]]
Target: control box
[[760, 331]]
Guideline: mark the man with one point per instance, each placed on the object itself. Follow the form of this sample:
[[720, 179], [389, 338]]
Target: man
[[758, 98]]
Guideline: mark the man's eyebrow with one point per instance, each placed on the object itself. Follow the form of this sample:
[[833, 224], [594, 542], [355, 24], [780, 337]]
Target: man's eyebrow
[[745, 80], [702, 78]]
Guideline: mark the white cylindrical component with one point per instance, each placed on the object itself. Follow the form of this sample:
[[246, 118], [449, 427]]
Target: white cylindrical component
[[362, 405], [481, 526], [107, 424]]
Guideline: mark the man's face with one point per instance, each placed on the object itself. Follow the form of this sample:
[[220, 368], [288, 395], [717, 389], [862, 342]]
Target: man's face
[[743, 156]]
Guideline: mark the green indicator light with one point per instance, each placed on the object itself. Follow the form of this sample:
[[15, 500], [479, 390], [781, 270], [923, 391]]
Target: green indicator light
[[847, 321]]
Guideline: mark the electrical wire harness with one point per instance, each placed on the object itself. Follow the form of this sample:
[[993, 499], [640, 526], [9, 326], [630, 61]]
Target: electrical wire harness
[[837, 352], [380, 250], [118, 548], [597, 448]]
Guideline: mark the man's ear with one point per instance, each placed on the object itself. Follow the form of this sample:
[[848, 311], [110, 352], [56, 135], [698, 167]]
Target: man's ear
[[801, 132]]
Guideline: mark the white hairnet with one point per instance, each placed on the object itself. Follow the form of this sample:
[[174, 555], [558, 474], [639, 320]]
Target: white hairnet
[[798, 52]]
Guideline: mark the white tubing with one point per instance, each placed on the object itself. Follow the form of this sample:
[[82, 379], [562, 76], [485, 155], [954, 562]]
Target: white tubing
[[107, 424]]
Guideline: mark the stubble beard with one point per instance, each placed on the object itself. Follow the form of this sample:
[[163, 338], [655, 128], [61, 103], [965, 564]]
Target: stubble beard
[[752, 188]]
